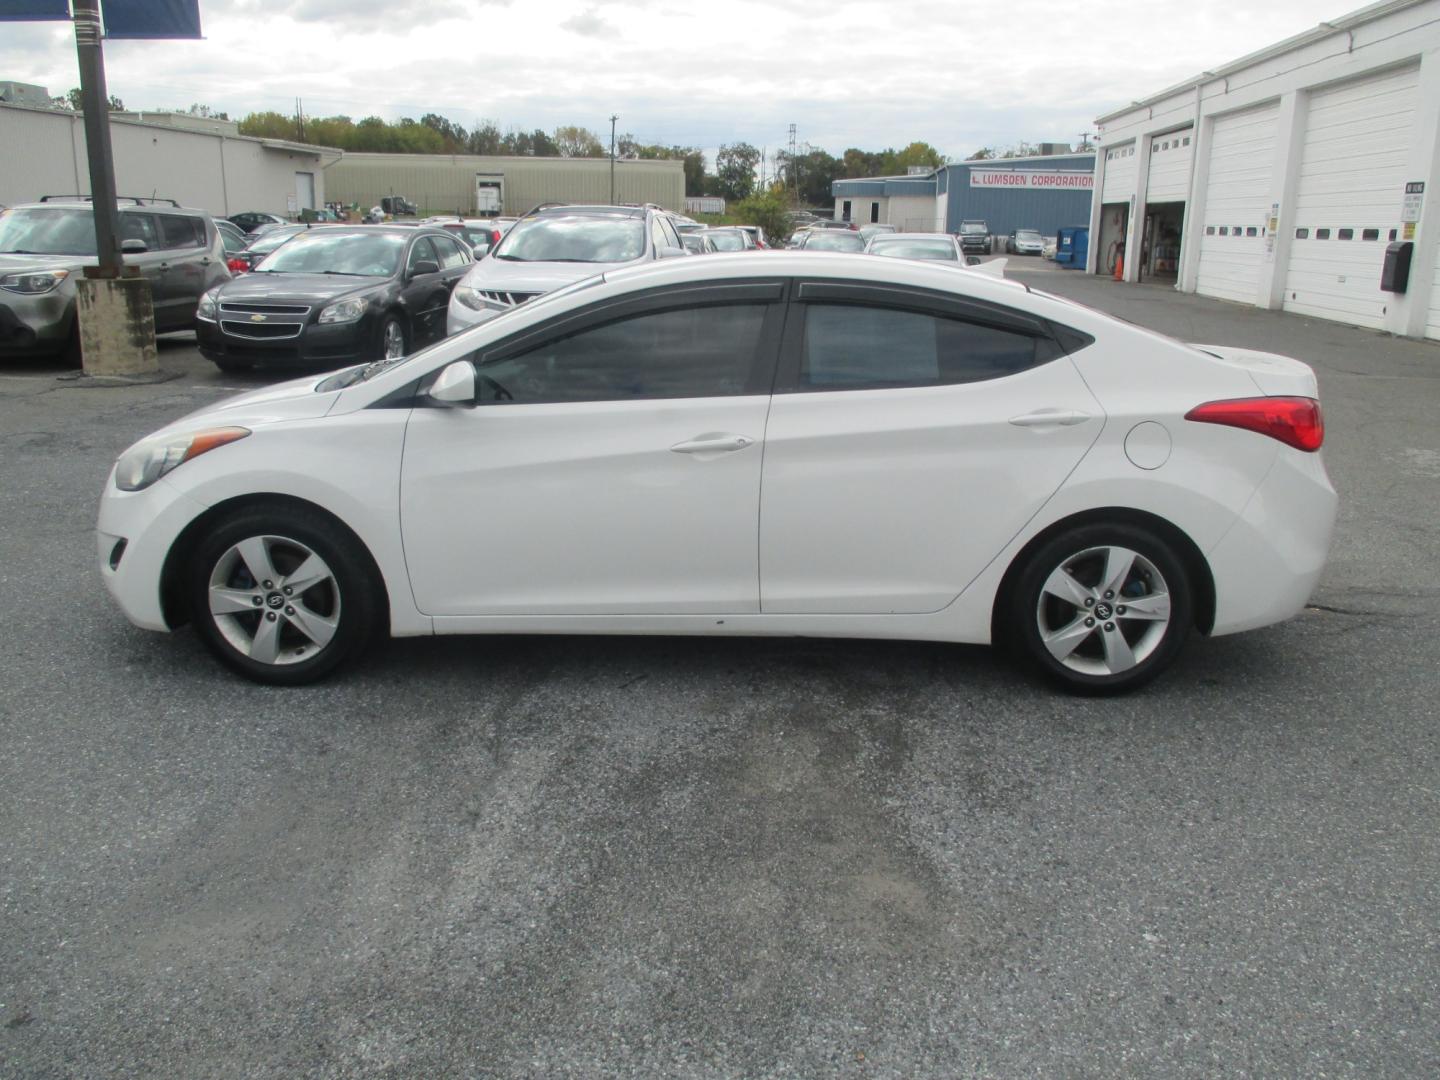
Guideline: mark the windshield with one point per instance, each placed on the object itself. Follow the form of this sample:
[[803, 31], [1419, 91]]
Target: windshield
[[272, 240], [972, 227], [360, 254], [834, 240], [48, 232], [574, 238], [1027, 234], [727, 241], [915, 249]]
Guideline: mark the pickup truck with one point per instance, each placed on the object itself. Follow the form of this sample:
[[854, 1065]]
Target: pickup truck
[[974, 238]]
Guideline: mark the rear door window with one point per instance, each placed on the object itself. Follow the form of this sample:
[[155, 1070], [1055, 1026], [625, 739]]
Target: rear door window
[[180, 232], [140, 227], [863, 347]]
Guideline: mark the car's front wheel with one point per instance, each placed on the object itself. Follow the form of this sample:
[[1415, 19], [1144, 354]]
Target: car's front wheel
[[393, 341], [1102, 608], [282, 596]]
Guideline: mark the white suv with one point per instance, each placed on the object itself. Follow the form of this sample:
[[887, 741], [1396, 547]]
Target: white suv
[[557, 245]]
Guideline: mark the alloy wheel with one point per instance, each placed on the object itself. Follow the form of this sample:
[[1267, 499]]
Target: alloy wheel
[[393, 343], [274, 600], [1103, 610]]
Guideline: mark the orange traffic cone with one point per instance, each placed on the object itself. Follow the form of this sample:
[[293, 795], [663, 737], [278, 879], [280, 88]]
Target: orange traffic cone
[[1119, 267]]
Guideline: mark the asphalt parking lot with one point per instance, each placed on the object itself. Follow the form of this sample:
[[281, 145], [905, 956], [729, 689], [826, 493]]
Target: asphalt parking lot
[[643, 857]]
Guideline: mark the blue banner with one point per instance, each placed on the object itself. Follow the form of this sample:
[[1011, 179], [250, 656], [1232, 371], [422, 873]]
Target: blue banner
[[151, 18], [33, 10]]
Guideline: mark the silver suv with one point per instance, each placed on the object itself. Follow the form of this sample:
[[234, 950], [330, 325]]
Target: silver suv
[[556, 245], [45, 246]]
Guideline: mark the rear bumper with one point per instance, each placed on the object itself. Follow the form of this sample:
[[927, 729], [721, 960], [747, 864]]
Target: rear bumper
[[1267, 565]]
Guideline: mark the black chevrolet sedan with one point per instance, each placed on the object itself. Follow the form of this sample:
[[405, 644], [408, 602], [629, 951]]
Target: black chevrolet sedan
[[333, 296]]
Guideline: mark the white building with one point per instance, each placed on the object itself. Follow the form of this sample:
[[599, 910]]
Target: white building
[[1282, 179], [198, 162]]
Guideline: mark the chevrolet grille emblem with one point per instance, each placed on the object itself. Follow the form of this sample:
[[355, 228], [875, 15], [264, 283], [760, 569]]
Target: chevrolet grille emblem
[[257, 318]]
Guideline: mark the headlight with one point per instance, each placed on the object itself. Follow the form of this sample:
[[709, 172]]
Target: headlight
[[475, 300], [33, 282], [208, 307], [150, 459], [344, 311]]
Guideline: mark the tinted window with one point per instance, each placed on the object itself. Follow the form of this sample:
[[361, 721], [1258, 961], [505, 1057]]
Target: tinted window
[[450, 254], [421, 252], [728, 241], [180, 232], [856, 348], [139, 227], [686, 352]]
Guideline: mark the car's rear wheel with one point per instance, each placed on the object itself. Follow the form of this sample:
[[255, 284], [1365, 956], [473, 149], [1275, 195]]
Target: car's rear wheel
[[1102, 608], [282, 597]]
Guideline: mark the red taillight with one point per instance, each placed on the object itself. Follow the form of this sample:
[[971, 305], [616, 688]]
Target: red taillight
[[237, 266], [1295, 421]]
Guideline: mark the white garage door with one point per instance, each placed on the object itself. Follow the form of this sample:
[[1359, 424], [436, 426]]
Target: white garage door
[[1169, 179], [1352, 178], [1238, 196], [1432, 323], [1121, 169]]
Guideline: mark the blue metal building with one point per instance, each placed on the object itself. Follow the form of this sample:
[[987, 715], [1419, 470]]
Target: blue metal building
[[1012, 193]]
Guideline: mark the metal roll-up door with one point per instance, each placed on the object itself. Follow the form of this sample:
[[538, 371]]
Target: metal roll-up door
[[1169, 166], [1432, 321], [1237, 200], [1351, 183], [1121, 169]]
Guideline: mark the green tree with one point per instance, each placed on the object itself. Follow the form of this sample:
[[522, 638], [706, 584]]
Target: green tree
[[73, 101], [485, 138], [768, 209], [573, 141], [985, 153], [452, 135], [735, 170], [918, 154]]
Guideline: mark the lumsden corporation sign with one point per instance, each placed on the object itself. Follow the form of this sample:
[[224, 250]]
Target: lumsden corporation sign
[[1034, 178]]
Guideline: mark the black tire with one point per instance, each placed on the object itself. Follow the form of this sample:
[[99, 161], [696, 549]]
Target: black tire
[[350, 599], [384, 331], [1097, 661], [231, 366]]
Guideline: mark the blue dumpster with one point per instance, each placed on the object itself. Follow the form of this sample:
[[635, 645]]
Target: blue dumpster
[[1072, 246]]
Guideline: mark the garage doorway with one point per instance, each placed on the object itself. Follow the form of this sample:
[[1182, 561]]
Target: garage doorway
[[304, 191], [1160, 248], [1114, 220]]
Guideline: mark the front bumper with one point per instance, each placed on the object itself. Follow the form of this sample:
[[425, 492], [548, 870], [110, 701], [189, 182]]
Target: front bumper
[[460, 317], [332, 345], [149, 522], [36, 325]]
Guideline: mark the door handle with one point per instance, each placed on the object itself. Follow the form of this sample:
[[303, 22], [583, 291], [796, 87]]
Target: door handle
[[712, 444], [1050, 418]]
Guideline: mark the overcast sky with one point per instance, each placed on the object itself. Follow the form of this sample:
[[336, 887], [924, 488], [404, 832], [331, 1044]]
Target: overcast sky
[[960, 74]]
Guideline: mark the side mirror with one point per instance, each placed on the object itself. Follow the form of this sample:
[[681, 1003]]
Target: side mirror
[[670, 252], [133, 247], [972, 260], [424, 266], [454, 387]]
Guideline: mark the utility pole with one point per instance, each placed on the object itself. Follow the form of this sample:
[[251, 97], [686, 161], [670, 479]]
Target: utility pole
[[613, 118], [95, 101], [115, 314], [1084, 140], [791, 163]]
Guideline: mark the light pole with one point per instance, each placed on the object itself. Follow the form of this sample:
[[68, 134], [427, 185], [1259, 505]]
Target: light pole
[[613, 118]]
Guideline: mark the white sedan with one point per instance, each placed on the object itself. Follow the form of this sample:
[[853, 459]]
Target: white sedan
[[823, 445]]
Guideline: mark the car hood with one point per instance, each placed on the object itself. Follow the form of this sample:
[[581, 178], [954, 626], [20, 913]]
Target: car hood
[[536, 277], [293, 400], [10, 264], [295, 288]]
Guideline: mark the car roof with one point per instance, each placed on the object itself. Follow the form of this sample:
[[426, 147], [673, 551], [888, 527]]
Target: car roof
[[889, 237], [591, 210], [67, 202]]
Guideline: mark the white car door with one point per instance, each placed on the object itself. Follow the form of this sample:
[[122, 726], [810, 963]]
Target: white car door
[[910, 438], [611, 466]]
